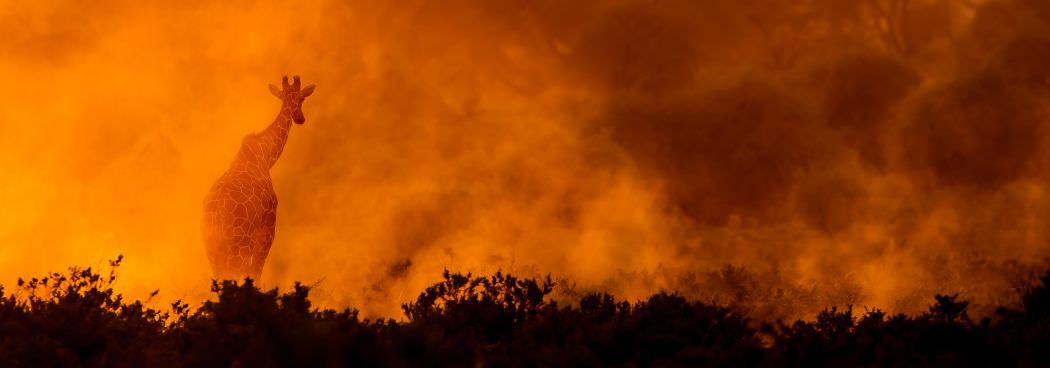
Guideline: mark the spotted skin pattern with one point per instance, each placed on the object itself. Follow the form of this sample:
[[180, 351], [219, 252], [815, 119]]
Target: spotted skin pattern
[[240, 210]]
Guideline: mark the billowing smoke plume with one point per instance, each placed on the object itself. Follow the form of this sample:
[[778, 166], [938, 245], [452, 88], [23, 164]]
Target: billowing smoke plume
[[782, 156]]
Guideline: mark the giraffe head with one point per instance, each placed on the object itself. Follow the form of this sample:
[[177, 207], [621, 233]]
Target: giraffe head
[[293, 97]]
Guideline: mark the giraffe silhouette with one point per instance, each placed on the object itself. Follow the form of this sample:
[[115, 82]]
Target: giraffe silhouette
[[240, 210]]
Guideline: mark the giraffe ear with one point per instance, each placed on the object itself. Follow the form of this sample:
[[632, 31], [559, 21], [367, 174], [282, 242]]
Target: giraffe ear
[[276, 92], [309, 90]]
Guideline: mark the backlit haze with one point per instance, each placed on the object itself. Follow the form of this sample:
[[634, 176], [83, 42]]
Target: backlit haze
[[831, 152]]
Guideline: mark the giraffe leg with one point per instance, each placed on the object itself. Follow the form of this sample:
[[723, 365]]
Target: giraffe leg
[[262, 239], [221, 246], [262, 235]]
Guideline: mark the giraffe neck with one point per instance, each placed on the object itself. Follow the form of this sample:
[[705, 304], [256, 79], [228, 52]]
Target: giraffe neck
[[260, 151]]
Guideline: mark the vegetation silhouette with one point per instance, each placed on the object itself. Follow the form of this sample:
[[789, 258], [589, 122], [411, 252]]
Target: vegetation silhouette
[[76, 319]]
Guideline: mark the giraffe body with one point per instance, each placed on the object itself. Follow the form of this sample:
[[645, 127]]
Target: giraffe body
[[240, 217], [240, 210]]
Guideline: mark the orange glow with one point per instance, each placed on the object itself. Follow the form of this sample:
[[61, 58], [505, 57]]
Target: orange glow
[[625, 145]]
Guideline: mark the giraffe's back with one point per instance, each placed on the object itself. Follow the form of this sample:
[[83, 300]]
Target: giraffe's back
[[238, 226]]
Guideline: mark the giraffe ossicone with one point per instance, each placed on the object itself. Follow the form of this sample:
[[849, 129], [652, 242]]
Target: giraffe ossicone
[[240, 210]]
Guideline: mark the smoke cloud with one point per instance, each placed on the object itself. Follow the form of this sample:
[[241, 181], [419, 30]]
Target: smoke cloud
[[783, 156]]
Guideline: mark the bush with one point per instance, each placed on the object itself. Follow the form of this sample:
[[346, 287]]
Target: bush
[[76, 319]]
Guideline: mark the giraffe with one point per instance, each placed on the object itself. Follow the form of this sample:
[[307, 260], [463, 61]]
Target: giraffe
[[240, 210]]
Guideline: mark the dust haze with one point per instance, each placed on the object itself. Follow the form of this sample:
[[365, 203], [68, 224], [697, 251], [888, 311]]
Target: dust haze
[[783, 156]]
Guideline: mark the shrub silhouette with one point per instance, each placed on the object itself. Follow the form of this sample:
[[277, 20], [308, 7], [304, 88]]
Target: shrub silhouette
[[250, 327], [76, 319], [480, 307]]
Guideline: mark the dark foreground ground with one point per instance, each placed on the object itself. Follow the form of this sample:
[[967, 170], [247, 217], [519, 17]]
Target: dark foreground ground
[[77, 320]]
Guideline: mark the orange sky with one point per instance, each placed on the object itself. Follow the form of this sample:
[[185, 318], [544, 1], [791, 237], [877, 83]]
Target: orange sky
[[625, 145]]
